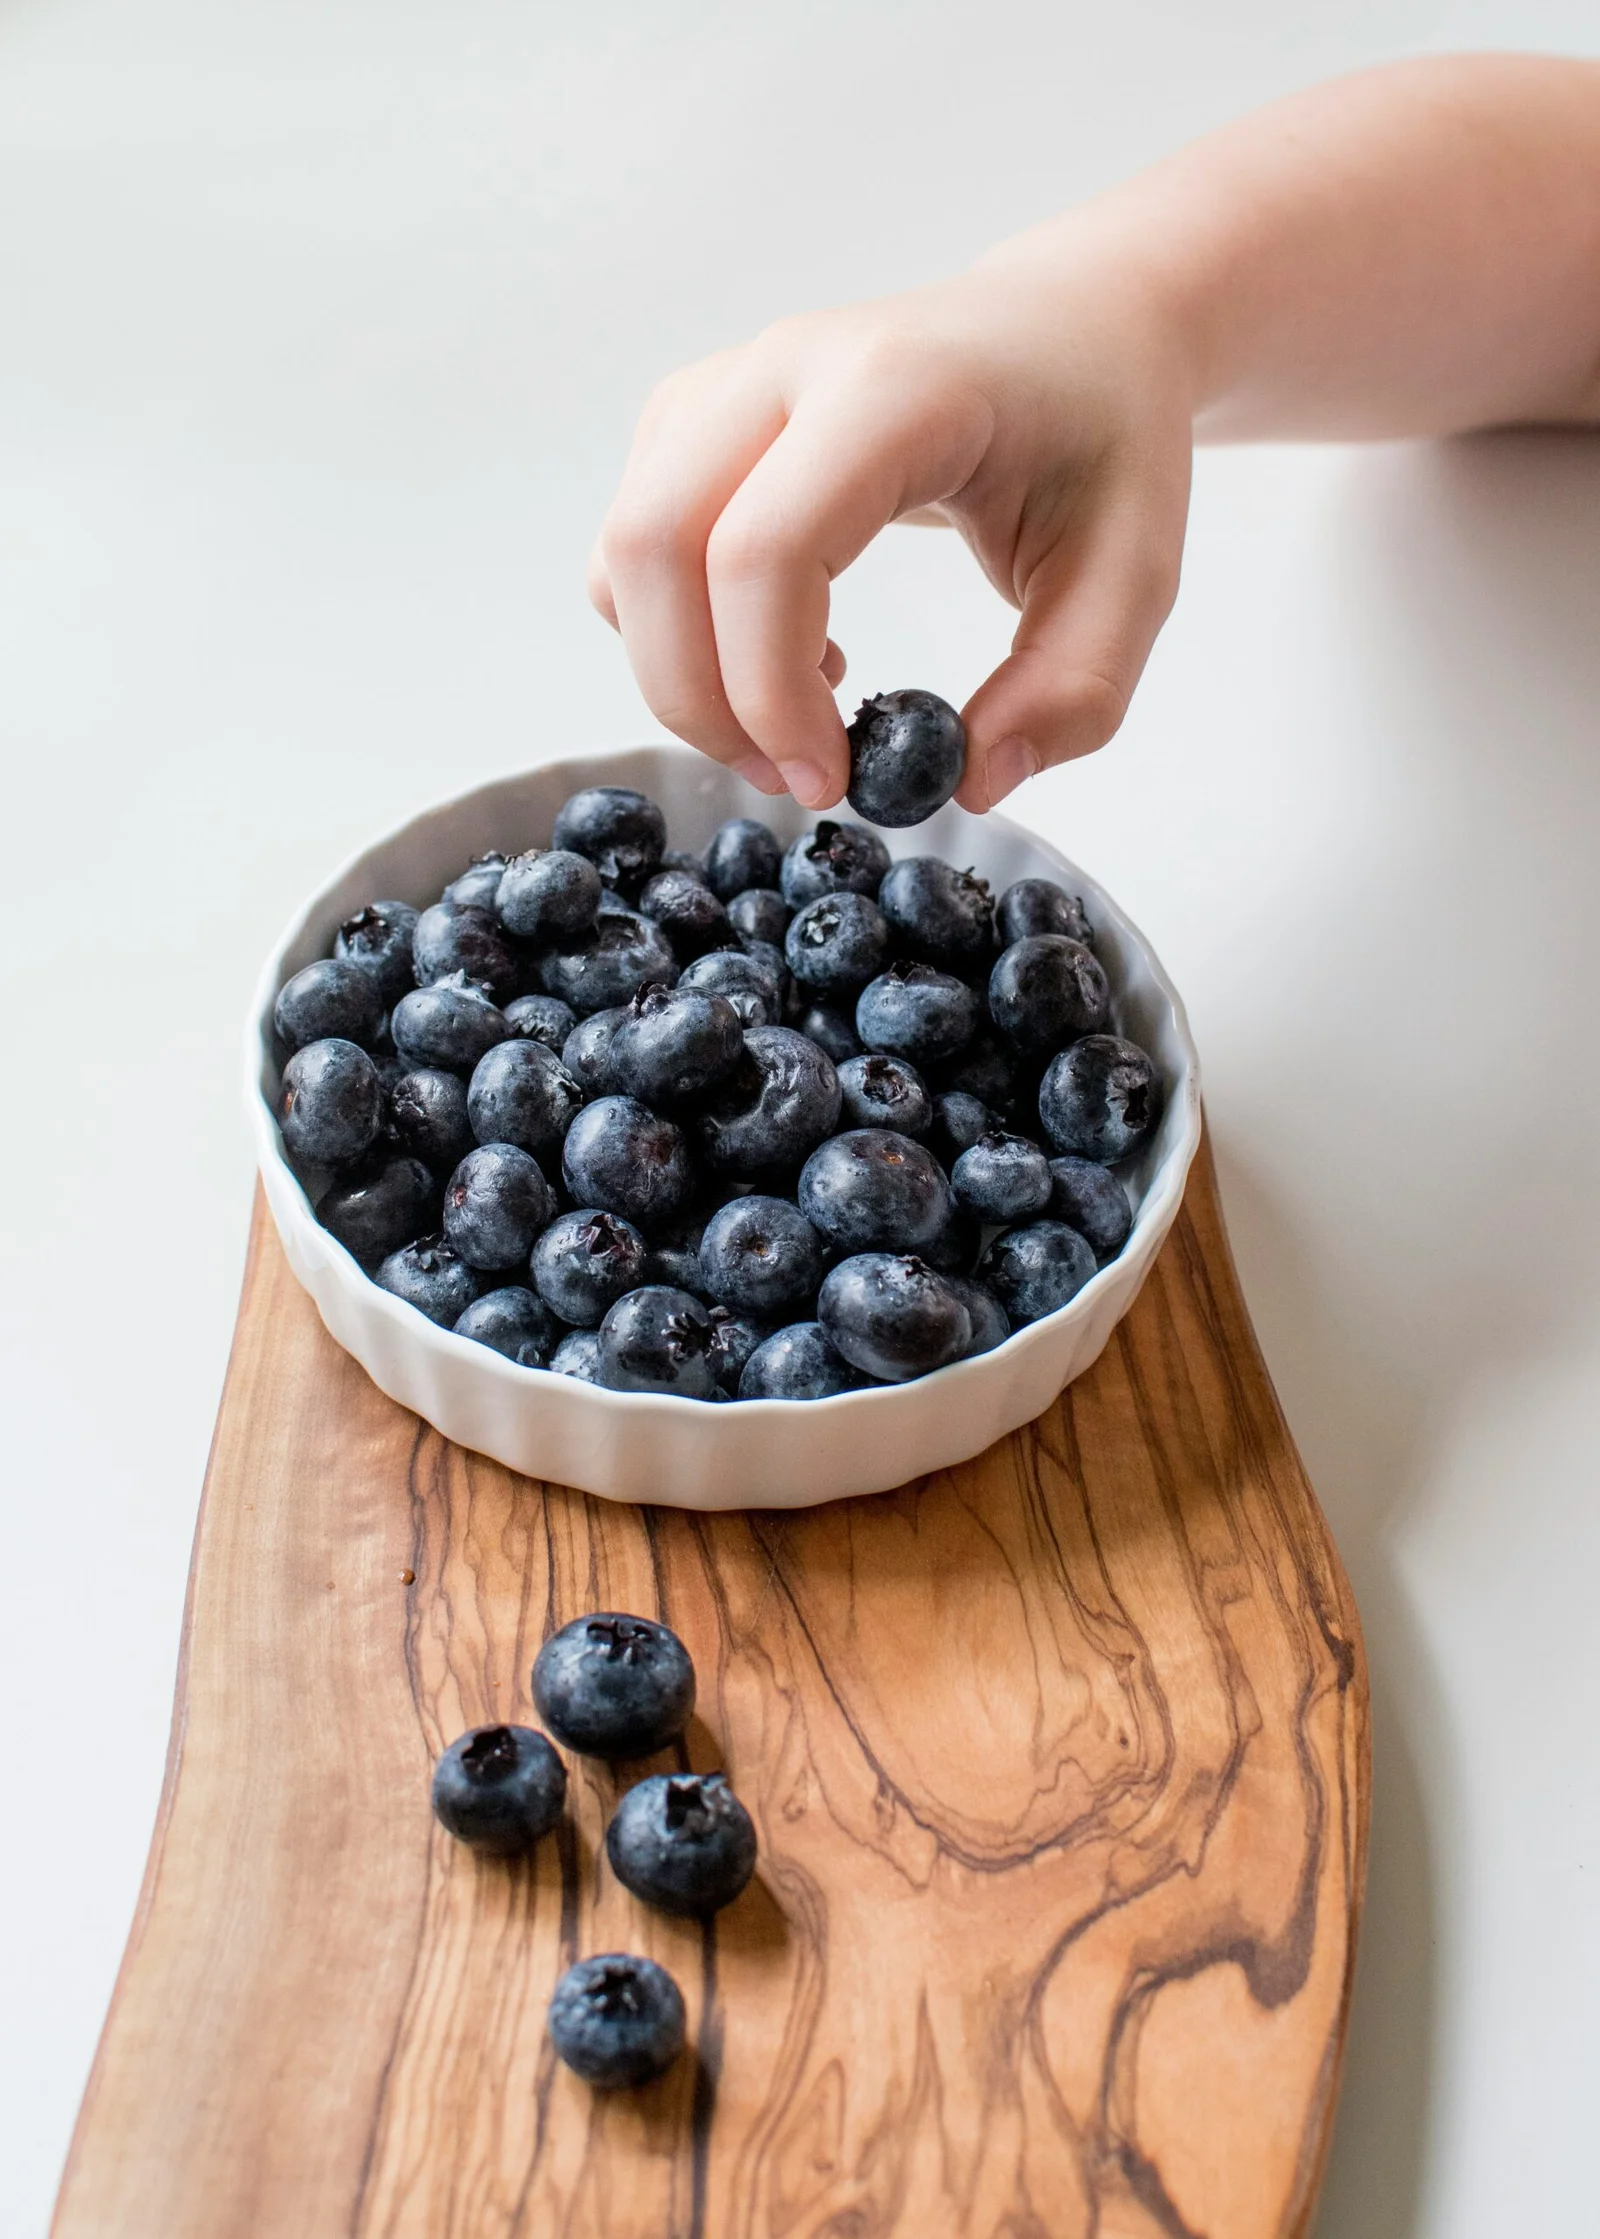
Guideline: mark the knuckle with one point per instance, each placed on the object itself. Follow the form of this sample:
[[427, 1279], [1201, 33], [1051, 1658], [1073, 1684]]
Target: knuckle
[[637, 537], [1098, 706], [741, 548]]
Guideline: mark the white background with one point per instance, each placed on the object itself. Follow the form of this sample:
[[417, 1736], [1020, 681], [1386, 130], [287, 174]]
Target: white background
[[324, 324]]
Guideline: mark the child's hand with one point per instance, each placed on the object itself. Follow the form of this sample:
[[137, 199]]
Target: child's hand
[[1049, 423]]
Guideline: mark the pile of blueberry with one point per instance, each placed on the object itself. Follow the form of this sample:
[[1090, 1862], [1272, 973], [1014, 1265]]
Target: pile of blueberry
[[615, 1687], [762, 1124]]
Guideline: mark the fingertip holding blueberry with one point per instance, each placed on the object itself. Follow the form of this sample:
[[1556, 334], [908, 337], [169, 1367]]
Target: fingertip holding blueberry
[[617, 2020], [499, 1789], [614, 1686], [682, 1842]]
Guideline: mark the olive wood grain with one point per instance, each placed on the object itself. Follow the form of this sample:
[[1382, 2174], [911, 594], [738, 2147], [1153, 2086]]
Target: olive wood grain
[[1059, 1762]]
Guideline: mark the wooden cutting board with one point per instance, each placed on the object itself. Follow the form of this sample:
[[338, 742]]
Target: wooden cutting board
[[1059, 1762]]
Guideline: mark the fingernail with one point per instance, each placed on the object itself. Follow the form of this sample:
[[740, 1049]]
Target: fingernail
[[756, 770], [807, 782], [1010, 764]]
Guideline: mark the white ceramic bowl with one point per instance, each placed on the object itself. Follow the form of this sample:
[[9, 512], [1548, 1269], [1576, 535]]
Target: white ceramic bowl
[[758, 1453]]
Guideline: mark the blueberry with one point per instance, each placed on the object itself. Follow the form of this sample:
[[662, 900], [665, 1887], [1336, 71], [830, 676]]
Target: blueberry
[[734, 1337], [1091, 1200], [799, 1363], [760, 913], [379, 1207], [832, 858], [939, 914], [330, 1104], [476, 887], [837, 943], [907, 753], [495, 1203], [378, 938], [681, 859], [1100, 1099], [687, 912], [742, 853], [430, 1276], [682, 1841], [1002, 1178], [617, 2021], [884, 1092], [449, 939], [428, 1117], [673, 1258], [328, 1001], [520, 1093], [959, 1121], [499, 1789], [762, 1256], [606, 967], [986, 1069], [917, 1012], [1034, 1270], [449, 1025], [754, 990], [657, 1339], [871, 1190], [1046, 990], [548, 894], [585, 1261], [586, 1052], [1038, 905], [614, 1686], [512, 1321], [621, 832], [624, 1158], [991, 1324], [831, 1030], [578, 1356], [892, 1315], [672, 1044], [541, 1018], [780, 1101]]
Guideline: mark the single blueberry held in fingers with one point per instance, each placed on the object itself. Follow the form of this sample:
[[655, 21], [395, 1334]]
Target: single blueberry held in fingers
[[449, 1025], [585, 1261], [687, 912], [495, 1203], [520, 1093], [1090, 1199], [515, 1322], [617, 2021], [760, 913], [1002, 1179], [837, 943], [380, 1206], [1100, 1099], [548, 895], [476, 886], [734, 1337], [673, 1043], [578, 1356], [892, 1315], [431, 1276], [991, 1324], [597, 971], [754, 990], [1046, 990], [682, 1841], [614, 1686], [622, 832], [541, 1018], [832, 858], [624, 1158], [907, 753], [762, 1256], [329, 1000], [799, 1362], [831, 1030], [1039, 905], [742, 853], [939, 914], [499, 1789], [872, 1190], [448, 939], [378, 938], [586, 1052], [881, 1091], [428, 1117], [917, 1012], [779, 1102], [657, 1339], [959, 1121], [330, 1104], [1036, 1269]]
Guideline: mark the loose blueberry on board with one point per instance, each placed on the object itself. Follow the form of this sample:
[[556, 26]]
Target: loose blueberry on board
[[959, 1121], [495, 1204], [749, 984], [892, 1315], [549, 894], [624, 1158], [687, 911], [329, 1000], [939, 914], [541, 1018], [919, 1013], [431, 1276], [683, 1842], [449, 939], [617, 2021], [762, 1256], [674, 1043], [799, 1363], [330, 1103], [499, 1789], [449, 1025], [1090, 1199], [759, 913], [832, 858], [614, 1686], [1100, 1099], [521, 1093], [837, 943], [607, 967], [622, 833], [907, 753], [515, 1322], [1002, 1179], [734, 1337], [880, 1091], [1044, 990], [872, 1190], [586, 1052], [742, 853], [1039, 905], [427, 1116], [991, 1324], [578, 1356], [1035, 1270], [585, 1261], [378, 938], [475, 888], [379, 1207], [832, 1030], [779, 1102], [657, 1339]]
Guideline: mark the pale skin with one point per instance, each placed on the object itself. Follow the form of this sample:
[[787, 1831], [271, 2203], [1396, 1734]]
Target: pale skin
[[1411, 252]]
